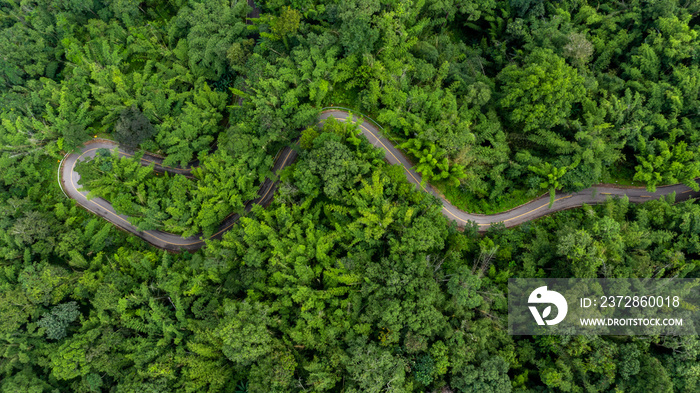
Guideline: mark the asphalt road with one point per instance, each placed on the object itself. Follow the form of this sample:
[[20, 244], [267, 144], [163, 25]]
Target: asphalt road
[[164, 240], [529, 211]]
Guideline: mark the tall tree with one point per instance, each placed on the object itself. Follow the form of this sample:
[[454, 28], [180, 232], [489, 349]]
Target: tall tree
[[133, 127], [540, 94]]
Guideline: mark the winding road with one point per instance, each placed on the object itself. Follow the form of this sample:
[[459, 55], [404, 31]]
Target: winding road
[[168, 241]]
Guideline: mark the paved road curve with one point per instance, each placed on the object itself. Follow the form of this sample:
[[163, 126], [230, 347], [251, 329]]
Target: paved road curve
[[164, 240], [529, 211], [169, 241]]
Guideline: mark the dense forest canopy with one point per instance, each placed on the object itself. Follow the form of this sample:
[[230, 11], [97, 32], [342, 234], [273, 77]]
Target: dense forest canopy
[[351, 280]]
